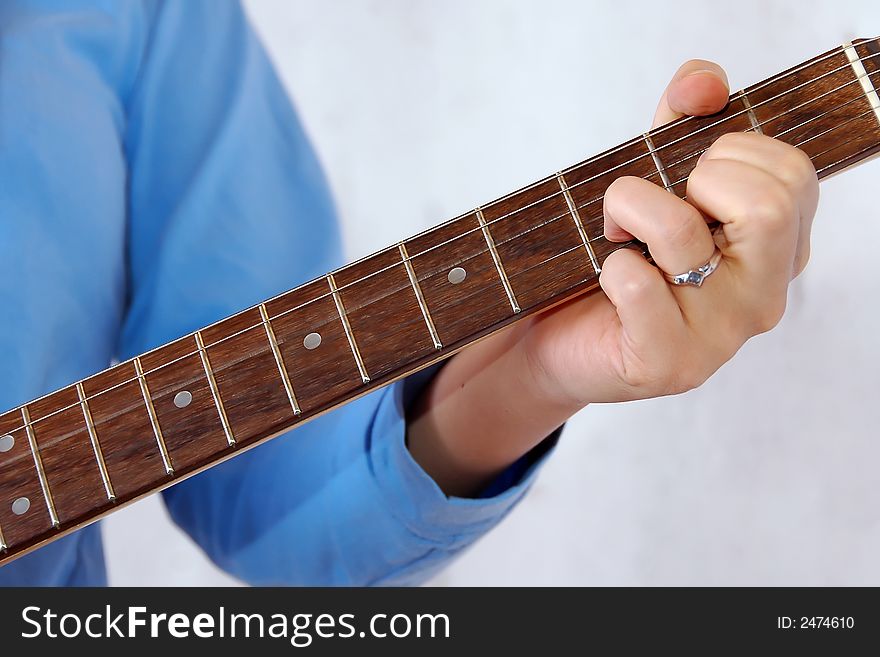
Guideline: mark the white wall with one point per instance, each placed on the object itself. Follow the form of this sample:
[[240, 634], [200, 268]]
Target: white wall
[[421, 110]]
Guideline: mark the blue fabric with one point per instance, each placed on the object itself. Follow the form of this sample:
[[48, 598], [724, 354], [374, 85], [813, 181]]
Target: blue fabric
[[153, 179]]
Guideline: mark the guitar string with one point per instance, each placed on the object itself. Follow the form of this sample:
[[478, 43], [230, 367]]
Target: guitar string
[[397, 264], [677, 123], [265, 350], [814, 156], [327, 295], [638, 141]]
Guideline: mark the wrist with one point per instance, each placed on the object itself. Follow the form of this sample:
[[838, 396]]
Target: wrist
[[482, 412]]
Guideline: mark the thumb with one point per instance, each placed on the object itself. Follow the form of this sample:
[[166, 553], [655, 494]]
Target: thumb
[[699, 87]]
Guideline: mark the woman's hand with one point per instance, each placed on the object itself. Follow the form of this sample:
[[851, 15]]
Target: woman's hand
[[643, 337]]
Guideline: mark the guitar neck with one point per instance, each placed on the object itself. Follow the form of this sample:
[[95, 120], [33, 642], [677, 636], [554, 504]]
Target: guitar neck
[[78, 453]]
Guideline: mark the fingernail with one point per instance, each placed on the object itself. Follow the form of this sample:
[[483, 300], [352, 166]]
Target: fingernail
[[703, 71]]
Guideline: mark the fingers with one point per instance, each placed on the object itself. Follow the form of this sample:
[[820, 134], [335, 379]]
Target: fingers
[[648, 311], [790, 165], [698, 88], [761, 224], [675, 232]]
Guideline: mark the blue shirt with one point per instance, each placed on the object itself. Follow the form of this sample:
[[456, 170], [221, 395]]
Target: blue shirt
[[153, 179]]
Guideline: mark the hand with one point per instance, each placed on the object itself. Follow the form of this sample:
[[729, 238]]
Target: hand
[[646, 338], [643, 337]]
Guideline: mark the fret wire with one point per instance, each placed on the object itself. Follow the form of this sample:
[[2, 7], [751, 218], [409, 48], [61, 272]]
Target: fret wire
[[340, 308], [777, 135], [816, 136], [753, 118], [215, 391], [154, 419], [423, 305], [497, 260], [3, 545], [572, 208], [664, 178], [631, 142], [763, 102], [481, 289], [38, 464], [96, 445], [279, 360], [762, 123], [863, 77]]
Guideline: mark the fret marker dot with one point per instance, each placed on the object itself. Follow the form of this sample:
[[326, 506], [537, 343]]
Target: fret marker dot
[[456, 275], [21, 506], [312, 341], [183, 398], [6, 443]]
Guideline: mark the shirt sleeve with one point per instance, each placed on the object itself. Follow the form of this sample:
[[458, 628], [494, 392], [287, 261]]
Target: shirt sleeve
[[227, 206]]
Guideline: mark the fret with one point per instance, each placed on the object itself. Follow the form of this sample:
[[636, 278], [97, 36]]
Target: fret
[[67, 455], [279, 361], [423, 306], [588, 181], [478, 299], [324, 373], [184, 400], [681, 144], [539, 244], [154, 420], [864, 80], [96, 445], [497, 260], [658, 164], [383, 310], [790, 107], [20, 488], [575, 215], [246, 373], [3, 545], [123, 427], [347, 327], [215, 392], [38, 464], [753, 118], [826, 113]]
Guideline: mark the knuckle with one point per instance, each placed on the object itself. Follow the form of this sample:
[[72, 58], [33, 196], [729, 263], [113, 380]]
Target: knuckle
[[773, 207], [769, 316], [635, 288], [803, 259], [682, 231], [797, 169]]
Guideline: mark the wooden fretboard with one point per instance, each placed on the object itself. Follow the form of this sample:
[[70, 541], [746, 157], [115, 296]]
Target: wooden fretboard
[[78, 453]]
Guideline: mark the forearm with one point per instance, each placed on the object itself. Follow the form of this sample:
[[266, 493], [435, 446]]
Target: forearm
[[484, 410]]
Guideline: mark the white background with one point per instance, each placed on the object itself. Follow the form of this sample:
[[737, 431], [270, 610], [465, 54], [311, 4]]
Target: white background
[[421, 110]]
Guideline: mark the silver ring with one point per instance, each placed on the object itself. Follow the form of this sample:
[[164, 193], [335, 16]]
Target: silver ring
[[696, 276]]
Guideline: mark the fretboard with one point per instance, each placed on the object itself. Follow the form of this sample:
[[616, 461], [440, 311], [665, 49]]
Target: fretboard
[[76, 454]]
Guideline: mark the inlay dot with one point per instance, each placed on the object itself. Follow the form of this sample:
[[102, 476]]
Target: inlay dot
[[21, 506], [7, 443], [183, 398], [456, 275], [312, 341]]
